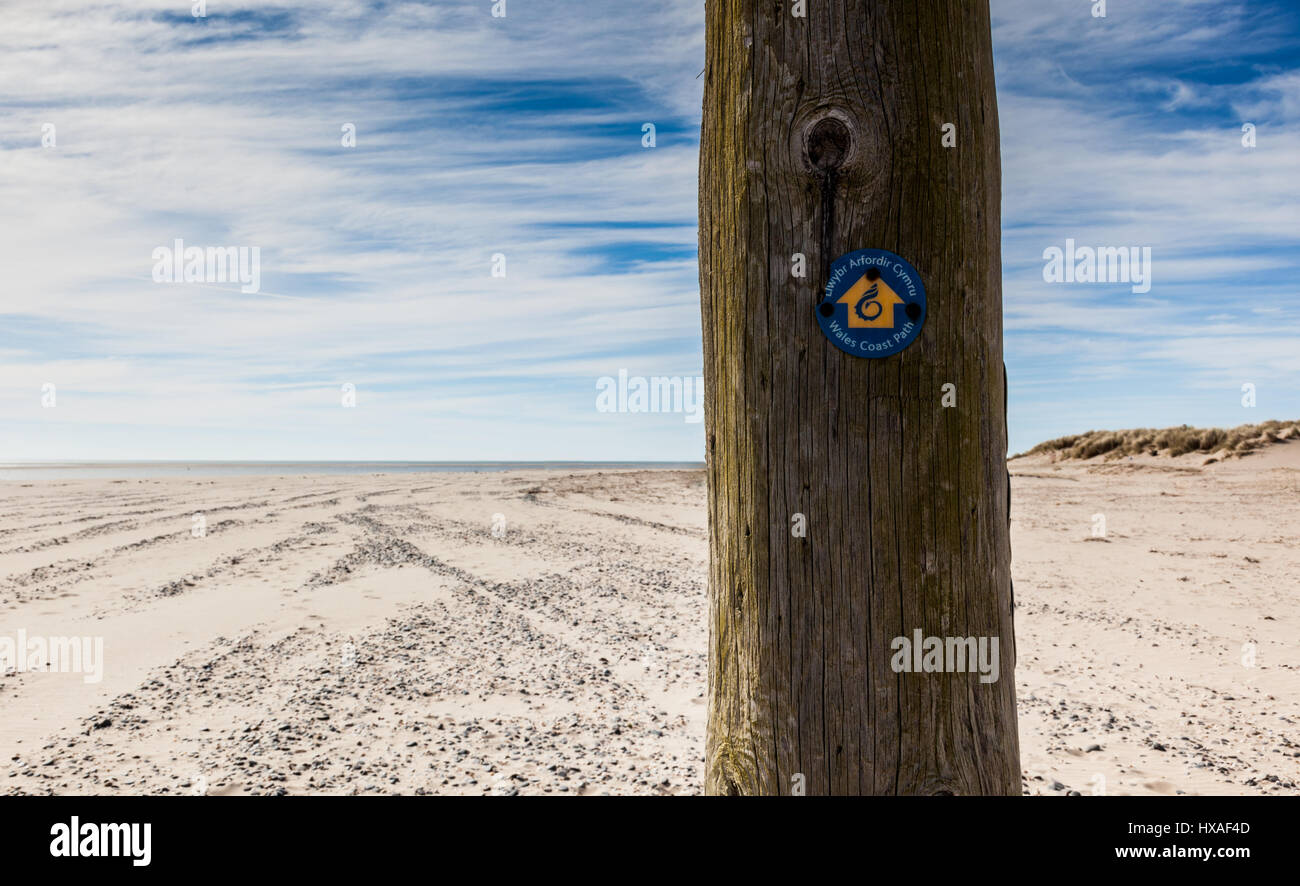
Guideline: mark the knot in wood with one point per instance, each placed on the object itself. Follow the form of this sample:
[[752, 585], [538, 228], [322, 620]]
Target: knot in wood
[[829, 141]]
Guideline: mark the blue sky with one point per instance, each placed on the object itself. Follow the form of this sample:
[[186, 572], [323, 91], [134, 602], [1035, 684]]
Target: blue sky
[[523, 136]]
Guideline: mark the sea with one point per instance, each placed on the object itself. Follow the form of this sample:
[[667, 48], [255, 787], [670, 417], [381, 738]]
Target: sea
[[35, 472]]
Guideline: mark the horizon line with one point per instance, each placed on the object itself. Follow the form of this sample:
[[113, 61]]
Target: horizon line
[[331, 461]]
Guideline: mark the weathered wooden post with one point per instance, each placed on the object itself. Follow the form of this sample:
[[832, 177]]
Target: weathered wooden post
[[856, 125]]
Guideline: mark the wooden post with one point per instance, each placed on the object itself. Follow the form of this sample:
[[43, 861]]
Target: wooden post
[[824, 134]]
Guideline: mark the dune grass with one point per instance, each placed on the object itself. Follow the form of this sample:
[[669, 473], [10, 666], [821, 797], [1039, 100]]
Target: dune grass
[[1234, 443]]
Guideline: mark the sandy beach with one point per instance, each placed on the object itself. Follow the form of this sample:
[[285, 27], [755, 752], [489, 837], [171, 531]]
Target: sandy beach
[[544, 631]]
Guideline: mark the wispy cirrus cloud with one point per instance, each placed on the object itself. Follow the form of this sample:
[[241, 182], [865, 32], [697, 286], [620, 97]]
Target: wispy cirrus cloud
[[522, 136], [1127, 131], [475, 136]]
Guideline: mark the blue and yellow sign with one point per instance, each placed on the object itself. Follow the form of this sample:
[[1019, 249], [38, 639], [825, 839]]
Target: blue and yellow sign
[[874, 304]]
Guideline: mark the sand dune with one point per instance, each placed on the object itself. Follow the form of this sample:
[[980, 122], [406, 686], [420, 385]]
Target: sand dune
[[371, 634]]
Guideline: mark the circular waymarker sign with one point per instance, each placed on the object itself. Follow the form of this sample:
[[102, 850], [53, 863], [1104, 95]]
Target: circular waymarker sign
[[874, 304]]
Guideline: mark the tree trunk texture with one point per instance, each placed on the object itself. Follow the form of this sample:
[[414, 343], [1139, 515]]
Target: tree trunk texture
[[823, 135]]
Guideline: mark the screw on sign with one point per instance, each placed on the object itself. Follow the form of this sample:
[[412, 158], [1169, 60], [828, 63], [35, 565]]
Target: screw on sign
[[873, 305]]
